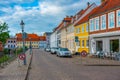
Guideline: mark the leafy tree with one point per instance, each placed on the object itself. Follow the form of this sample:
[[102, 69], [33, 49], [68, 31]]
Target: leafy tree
[[4, 32]]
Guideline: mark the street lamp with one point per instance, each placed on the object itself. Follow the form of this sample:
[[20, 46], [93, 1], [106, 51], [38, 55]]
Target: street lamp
[[23, 39], [30, 47]]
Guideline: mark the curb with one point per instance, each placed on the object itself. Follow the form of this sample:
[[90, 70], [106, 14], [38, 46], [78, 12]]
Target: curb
[[29, 67]]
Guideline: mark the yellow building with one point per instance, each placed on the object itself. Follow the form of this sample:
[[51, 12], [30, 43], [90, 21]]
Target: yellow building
[[32, 39], [81, 31]]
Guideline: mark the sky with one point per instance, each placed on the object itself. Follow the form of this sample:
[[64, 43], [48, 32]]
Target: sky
[[39, 16]]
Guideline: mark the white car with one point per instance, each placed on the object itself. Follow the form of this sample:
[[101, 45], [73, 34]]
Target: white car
[[54, 50], [63, 52], [47, 49]]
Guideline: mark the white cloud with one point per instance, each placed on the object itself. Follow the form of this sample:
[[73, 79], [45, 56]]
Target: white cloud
[[47, 8], [44, 17]]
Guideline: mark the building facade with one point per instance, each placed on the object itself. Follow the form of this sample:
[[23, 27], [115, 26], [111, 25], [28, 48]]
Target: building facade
[[105, 27], [47, 35], [42, 43], [81, 30], [33, 39], [11, 43], [53, 39]]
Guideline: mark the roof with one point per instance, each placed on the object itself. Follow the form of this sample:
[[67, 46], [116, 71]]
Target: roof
[[84, 12], [107, 5], [30, 37], [86, 18], [67, 19], [42, 38]]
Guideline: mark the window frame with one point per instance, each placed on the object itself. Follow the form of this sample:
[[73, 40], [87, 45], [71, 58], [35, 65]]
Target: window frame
[[117, 18], [97, 18], [103, 23], [109, 19]]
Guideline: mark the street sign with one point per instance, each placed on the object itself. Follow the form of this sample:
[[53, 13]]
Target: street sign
[[83, 53], [76, 39], [22, 56]]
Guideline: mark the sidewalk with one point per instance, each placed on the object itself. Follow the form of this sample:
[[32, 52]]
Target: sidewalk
[[95, 61], [15, 70]]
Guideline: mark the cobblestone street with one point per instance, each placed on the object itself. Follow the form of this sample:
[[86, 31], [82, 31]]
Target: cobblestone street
[[46, 66]]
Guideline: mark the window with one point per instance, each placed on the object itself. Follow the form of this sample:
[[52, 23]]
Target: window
[[82, 28], [111, 20], [97, 23], [87, 43], [114, 45], [77, 30], [103, 22], [118, 18], [99, 46], [8, 41], [82, 43], [91, 24], [87, 27], [78, 43]]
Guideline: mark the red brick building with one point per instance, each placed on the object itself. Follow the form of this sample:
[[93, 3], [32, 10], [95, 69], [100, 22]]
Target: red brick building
[[105, 27]]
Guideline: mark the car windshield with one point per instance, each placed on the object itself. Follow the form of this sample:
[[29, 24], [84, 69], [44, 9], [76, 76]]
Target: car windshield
[[64, 49]]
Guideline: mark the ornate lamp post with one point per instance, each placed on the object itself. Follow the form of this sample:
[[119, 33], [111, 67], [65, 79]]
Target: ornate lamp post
[[30, 47], [23, 39]]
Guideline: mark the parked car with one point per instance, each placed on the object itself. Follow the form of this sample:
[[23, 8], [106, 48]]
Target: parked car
[[63, 52], [47, 49], [54, 50]]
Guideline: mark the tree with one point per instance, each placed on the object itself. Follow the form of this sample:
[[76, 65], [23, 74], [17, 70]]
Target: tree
[[4, 32]]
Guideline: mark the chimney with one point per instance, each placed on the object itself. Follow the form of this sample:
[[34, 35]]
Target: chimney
[[71, 16], [67, 16], [88, 4]]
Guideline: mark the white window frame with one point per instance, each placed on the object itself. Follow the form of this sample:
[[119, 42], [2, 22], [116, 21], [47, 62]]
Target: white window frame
[[86, 27], [117, 18], [101, 27], [97, 18], [83, 42], [92, 25], [109, 20], [83, 29], [86, 43]]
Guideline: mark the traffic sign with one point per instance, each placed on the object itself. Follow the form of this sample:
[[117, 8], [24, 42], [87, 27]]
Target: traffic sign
[[83, 53], [22, 56], [76, 39]]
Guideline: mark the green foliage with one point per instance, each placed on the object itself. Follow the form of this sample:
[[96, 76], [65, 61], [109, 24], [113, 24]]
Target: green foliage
[[19, 50], [4, 33], [4, 58], [6, 51]]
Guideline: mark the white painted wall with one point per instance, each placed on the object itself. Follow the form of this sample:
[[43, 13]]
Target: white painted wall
[[53, 39]]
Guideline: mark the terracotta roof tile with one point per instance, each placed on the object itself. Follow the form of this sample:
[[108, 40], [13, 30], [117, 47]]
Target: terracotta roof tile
[[106, 6], [30, 37], [86, 18]]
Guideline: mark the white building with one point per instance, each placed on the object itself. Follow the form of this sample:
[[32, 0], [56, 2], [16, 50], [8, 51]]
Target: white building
[[11, 43], [53, 39]]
